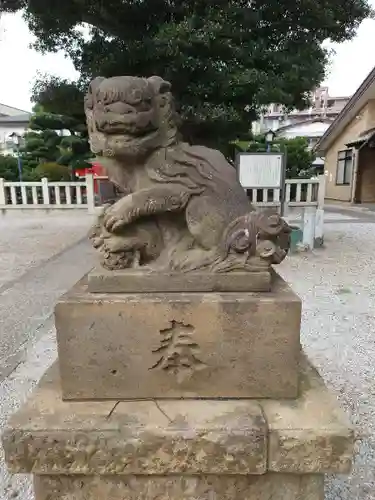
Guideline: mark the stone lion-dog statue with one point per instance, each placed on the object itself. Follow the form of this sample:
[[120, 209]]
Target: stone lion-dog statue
[[183, 208]]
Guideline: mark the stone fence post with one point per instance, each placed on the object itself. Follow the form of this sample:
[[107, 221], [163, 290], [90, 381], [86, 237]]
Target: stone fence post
[[45, 191], [2, 192], [319, 216], [90, 193]]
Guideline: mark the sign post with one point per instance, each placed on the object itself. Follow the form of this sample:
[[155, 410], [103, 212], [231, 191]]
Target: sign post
[[263, 171]]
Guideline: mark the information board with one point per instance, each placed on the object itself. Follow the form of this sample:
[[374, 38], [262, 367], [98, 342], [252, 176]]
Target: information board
[[260, 170]]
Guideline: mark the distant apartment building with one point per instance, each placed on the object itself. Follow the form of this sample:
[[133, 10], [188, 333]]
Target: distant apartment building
[[310, 123]]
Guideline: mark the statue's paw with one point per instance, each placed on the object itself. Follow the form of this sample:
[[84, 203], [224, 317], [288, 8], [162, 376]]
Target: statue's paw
[[113, 222], [97, 242]]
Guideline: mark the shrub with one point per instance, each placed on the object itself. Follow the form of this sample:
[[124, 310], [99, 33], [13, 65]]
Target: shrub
[[53, 172]]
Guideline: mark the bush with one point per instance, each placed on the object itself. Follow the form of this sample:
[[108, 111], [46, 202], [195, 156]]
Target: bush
[[53, 172], [8, 168]]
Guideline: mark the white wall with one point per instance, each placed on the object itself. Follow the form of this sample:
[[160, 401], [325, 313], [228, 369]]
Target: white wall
[[6, 129], [315, 129]]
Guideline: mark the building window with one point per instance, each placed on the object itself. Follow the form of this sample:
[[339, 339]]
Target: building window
[[344, 167]]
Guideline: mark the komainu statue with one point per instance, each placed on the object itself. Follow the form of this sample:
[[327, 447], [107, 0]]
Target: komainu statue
[[182, 208]]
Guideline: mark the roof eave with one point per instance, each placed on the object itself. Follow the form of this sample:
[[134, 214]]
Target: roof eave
[[343, 119]]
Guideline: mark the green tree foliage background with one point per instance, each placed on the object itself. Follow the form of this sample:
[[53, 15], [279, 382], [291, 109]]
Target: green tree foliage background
[[225, 59], [45, 152]]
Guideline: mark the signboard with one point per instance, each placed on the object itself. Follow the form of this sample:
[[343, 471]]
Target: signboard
[[261, 170]]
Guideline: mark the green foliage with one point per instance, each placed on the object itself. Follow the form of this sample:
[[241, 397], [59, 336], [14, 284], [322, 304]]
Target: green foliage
[[45, 144], [46, 152], [225, 59], [59, 96], [44, 121], [53, 172], [41, 147], [8, 168], [299, 157]]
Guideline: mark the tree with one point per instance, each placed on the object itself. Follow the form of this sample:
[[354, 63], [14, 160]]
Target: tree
[[8, 168], [299, 157], [52, 171], [45, 143], [61, 97], [225, 59]]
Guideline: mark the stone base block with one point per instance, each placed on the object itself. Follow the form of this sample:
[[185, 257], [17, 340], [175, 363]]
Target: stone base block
[[179, 345], [101, 280], [180, 449], [270, 486]]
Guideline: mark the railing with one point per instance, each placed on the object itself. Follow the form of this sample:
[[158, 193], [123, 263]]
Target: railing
[[47, 195], [298, 193], [303, 200], [305, 196]]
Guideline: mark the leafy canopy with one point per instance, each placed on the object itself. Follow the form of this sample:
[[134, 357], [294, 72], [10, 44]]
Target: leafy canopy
[[49, 142], [225, 59]]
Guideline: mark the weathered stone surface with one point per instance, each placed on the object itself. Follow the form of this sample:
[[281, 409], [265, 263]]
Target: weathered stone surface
[[183, 208], [311, 434], [206, 345], [101, 280], [267, 487], [49, 436], [306, 436]]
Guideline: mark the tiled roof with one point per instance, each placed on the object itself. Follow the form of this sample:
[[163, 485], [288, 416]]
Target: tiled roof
[[362, 138]]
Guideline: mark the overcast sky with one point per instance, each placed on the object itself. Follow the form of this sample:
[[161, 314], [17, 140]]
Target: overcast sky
[[351, 64]]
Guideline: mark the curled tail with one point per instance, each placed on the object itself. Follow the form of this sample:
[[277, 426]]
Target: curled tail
[[257, 233]]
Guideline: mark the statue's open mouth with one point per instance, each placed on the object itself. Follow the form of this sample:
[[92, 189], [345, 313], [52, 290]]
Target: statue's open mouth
[[124, 144], [132, 124]]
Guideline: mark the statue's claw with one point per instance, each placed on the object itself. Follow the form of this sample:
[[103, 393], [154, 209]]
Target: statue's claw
[[113, 222]]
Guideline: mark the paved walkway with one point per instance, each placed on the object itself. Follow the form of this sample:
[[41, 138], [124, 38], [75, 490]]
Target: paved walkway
[[336, 284], [41, 256], [40, 259]]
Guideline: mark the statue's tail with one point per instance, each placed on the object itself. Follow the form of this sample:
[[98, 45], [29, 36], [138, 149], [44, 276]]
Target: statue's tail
[[240, 236], [257, 233]]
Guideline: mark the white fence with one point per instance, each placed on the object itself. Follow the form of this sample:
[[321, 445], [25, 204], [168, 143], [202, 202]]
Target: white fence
[[304, 199], [47, 195], [303, 204], [298, 193]]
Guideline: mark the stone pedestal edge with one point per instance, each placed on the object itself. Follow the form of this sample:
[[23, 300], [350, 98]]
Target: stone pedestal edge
[[309, 435]]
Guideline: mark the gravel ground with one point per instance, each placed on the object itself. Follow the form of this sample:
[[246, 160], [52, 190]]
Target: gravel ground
[[336, 285], [13, 392]]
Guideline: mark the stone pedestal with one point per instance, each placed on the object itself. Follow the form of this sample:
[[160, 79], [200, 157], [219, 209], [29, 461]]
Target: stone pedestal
[[179, 396], [210, 487], [177, 450], [100, 280], [173, 345]]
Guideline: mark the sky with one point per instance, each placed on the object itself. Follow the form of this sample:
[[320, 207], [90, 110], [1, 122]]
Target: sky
[[20, 64]]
